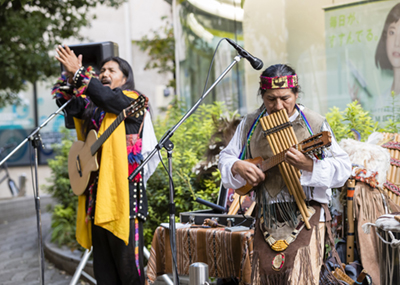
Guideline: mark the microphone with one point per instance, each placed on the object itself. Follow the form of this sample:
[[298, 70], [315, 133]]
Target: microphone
[[215, 207], [255, 62]]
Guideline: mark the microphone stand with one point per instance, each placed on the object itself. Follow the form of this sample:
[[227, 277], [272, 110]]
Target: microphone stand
[[35, 132], [35, 139], [168, 145]]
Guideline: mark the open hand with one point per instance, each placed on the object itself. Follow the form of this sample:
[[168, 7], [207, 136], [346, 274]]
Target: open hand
[[68, 59], [248, 171]]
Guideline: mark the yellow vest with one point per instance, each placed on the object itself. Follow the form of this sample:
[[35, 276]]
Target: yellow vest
[[112, 199]]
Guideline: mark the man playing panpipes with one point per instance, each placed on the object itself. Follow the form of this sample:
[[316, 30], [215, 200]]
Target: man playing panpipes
[[287, 249]]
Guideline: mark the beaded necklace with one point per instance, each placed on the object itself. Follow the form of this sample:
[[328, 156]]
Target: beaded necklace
[[250, 134], [319, 156]]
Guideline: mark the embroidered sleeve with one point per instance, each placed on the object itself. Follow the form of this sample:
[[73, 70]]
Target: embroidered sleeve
[[62, 89], [82, 79]]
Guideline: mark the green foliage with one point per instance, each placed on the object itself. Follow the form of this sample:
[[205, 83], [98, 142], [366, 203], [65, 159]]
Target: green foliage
[[392, 124], [64, 213], [28, 31], [63, 225], [191, 141], [161, 49], [60, 187], [353, 117]]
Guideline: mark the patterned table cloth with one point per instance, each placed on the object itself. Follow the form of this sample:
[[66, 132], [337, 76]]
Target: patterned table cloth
[[228, 254]]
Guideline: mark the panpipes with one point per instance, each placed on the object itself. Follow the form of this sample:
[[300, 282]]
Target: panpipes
[[392, 185], [281, 136]]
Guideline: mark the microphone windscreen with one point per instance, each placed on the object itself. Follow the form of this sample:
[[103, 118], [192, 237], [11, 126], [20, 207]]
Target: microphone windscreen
[[215, 207]]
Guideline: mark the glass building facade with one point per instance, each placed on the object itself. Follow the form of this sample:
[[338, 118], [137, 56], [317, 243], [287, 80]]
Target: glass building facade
[[342, 51], [202, 25]]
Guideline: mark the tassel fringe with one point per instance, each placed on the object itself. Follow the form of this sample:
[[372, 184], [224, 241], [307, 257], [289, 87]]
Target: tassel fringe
[[281, 278]]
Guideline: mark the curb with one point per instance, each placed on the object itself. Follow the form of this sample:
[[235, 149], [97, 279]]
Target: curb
[[15, 208]]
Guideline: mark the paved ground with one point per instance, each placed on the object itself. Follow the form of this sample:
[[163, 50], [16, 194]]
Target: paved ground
[[19, 250], [19, 253]]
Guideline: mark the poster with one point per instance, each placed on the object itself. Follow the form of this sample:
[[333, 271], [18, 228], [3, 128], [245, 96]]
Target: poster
[[353, 32]]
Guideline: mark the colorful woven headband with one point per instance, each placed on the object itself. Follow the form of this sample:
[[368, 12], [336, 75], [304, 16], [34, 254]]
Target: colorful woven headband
[[278, 82]]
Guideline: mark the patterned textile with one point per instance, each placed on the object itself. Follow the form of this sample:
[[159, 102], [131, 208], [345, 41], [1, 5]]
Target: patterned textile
[[278, 82], [226, 253]]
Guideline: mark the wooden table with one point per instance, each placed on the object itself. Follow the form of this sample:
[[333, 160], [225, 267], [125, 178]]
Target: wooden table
[[228, 254]]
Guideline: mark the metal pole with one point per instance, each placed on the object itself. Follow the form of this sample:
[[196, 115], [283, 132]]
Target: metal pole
[[171, 131], [34, 137], [177, 48], [35, 143], [168, 145], [172, 238], [165, 277], [198, 273], [81, 266], [35, 131]]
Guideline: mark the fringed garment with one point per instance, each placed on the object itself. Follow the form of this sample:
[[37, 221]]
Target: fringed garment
[[368, 207], [303, 257], [298, 255]]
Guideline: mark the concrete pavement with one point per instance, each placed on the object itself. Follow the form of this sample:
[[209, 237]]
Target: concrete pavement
[[19, 250], [19, 253]]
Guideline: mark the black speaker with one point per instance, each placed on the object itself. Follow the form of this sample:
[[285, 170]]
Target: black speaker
[[93, 55]]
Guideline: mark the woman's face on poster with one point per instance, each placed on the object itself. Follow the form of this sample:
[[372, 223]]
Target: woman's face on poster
[[393, 44]]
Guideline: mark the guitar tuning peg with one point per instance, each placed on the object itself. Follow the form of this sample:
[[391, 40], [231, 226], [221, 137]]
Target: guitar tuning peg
[[137, 115], [141, 112]]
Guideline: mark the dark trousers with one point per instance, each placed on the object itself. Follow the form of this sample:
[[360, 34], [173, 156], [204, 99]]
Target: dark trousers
[[113, 261]]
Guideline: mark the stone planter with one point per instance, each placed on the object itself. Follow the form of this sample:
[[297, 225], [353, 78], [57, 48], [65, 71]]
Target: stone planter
[[65, 259]]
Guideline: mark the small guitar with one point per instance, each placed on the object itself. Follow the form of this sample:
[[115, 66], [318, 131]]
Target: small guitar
[[82, 158], [307, 146]]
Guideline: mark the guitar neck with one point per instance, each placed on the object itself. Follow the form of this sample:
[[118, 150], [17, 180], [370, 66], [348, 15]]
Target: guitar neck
[[95, 147], [273, 161]]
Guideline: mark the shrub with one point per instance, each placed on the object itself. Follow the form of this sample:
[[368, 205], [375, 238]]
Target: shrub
[[392, 124], [191, 141], [354, 117], [64, 213]]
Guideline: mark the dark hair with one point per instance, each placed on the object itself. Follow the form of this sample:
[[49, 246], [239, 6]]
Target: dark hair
[[125, 69], [279, 70], [129, 84], [381, 58]]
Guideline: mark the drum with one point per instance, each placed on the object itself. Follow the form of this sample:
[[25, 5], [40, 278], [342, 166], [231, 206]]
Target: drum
[[388, 230]]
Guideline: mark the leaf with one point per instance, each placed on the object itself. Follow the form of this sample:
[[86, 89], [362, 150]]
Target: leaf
[[355, 117], [161, 50], [191, 141]]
